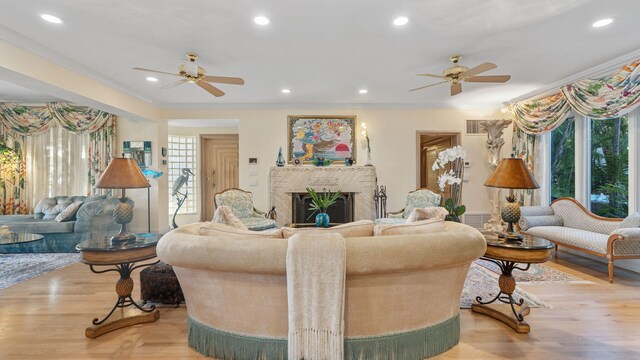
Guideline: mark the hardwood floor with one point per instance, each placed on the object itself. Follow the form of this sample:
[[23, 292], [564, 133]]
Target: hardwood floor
[[45, 318]]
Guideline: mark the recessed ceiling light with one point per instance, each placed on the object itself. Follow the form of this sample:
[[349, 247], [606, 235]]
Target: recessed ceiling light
[[602, 22], [261, 20], [50, 18], [363, 91], [286, 91], [399, 21], [152, 79]]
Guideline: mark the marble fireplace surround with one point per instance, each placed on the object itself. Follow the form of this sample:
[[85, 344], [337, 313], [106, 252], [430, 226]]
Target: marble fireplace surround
[[360, 180]]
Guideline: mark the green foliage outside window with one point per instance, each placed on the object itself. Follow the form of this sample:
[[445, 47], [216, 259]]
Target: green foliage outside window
[[563, 166], [610, 167]]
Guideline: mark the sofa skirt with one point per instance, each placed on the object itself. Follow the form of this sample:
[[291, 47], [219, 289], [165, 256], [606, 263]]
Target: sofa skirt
[[414, 344]]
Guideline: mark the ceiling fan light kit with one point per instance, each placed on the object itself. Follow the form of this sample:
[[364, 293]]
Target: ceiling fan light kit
[[194, 74], [457, 74]]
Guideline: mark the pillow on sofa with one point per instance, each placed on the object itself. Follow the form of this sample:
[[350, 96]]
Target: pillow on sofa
[[224, 230], [431, 212], [630, 221], [223, 215], [352, 229], [418, 227], [69, 212]]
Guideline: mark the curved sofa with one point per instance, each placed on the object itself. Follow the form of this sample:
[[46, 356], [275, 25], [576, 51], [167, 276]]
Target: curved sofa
[[402, 292]]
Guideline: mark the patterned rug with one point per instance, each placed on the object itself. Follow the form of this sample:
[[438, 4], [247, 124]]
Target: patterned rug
[[16, 268], [537, 273], [483, 282]]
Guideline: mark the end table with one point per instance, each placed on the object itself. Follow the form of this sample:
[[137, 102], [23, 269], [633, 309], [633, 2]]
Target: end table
[[122, 258]]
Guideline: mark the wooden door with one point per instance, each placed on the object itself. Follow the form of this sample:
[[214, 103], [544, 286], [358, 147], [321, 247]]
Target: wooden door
[[219, 169]]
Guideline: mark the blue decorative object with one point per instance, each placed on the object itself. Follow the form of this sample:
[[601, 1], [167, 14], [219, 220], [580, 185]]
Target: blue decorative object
[[348, 161], [322, 220], [148, 173], [321, 161], [280, 160]]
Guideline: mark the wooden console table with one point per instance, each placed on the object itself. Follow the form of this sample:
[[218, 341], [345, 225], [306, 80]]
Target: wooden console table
[[121, 257]]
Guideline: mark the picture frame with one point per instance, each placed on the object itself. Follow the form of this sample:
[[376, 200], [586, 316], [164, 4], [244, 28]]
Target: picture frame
[[140, 151], [314, 137]]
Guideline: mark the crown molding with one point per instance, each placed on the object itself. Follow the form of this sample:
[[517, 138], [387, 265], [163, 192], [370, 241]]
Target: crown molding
[[254, 106], [593, 72]]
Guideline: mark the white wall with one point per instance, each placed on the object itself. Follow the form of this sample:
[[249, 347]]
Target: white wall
[[182, 219]]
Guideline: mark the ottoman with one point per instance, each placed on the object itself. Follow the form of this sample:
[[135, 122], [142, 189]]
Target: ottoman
[[158, 283]]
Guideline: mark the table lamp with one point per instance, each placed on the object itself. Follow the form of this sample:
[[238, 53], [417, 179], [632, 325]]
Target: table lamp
[[511, 174], [123, 173]]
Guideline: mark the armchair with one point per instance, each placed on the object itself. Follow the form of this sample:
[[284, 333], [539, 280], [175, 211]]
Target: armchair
[[241, 204], [419, 198]]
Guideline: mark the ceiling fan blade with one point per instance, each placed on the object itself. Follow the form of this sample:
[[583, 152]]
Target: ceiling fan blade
[[433, 76], [210, 88], [477, 70], [491, 79], [155, 71], [224, 80], [173, 84], [456, 89], [424, 87]]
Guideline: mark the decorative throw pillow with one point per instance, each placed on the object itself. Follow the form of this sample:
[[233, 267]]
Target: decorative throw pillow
[[352, 229], [418, 227], [630, 221], [223, 215], [69, 212], [223, 230], [431, 212]]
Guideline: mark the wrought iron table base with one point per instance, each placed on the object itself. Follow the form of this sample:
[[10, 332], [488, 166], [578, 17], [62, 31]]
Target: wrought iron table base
[[124, 287], [507, 284]]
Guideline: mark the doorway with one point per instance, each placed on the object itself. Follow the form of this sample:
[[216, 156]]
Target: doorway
[[219, 169], [429, 145]]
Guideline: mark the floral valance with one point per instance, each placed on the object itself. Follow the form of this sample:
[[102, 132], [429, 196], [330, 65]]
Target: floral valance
[[34, 119], [602, 98]]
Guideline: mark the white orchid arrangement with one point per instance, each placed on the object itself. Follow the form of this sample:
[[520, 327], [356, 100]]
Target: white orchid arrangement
[[444, 158]]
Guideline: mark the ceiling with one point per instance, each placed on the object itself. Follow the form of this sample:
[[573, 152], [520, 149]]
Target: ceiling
[[324, 51]]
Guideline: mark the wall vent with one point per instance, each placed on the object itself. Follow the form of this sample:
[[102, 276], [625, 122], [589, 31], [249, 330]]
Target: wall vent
[[473, 127], [476, 220]]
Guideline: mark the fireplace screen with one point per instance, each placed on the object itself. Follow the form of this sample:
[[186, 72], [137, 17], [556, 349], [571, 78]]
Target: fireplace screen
[[341, 212]]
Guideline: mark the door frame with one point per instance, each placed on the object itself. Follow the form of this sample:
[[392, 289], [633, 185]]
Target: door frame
[[203, 161], [455, 135]]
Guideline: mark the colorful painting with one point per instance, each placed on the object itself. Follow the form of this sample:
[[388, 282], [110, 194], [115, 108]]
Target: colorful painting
[[321, 137]]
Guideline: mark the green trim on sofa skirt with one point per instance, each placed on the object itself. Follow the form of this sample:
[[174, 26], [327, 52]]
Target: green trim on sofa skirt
[[415, 344]]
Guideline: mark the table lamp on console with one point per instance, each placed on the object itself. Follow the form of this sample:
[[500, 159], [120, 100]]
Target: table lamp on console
[[513, 174], [123, 173]]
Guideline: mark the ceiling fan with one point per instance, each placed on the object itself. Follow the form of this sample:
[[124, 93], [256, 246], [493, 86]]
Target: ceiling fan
[[192, 73], [457, 74]]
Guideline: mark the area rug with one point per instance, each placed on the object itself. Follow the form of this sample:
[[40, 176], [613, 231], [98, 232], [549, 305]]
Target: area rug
[[537, 274], [16, 268], [483, 282]]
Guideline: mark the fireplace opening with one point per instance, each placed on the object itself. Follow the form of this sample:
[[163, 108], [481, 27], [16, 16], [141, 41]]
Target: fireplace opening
[[341, 212]]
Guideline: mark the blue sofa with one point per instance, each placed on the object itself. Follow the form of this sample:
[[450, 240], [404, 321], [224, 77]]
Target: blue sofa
[[93, 219]]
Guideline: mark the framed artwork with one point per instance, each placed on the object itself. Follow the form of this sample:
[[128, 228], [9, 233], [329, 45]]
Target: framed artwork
[[327, 137], [140, 151]]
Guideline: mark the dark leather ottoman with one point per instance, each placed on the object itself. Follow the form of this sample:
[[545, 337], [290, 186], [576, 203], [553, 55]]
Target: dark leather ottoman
[[158, 283]]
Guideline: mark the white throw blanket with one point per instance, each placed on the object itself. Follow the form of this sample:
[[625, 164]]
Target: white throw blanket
[[316, 268]]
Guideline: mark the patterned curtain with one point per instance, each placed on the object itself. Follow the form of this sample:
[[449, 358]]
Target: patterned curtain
[[13, 194], [606, 97], [78, 119], [102, 148], [524, 147], [26, 120]]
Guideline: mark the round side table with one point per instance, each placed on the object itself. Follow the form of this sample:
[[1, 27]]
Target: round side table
[[508, 254], [120, 257]]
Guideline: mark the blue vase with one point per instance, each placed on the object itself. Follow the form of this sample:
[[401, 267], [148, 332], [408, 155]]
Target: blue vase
[[322, 220]]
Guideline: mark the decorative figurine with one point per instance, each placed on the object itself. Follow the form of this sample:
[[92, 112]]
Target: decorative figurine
[[348, 161], [280, 161]]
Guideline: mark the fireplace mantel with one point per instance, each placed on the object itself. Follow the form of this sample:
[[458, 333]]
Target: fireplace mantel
[[360, 180]]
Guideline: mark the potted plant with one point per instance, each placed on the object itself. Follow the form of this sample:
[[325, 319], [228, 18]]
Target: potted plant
[[449, 166], [320, 202]]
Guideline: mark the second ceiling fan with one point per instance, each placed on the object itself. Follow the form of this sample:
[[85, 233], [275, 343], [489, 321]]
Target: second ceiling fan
[[457, 74]]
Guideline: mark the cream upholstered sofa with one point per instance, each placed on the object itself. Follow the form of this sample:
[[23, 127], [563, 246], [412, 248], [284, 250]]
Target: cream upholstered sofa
[[567, 223], [402, 291]]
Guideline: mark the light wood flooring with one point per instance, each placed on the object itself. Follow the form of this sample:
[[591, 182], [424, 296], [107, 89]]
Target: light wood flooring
[[45, 318]]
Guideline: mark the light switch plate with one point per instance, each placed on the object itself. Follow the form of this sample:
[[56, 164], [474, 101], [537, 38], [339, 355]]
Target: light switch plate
[[253, 181], [253, 172]]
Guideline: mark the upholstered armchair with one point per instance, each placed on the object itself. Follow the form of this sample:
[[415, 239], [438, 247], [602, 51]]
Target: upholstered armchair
[[241, 204], [419, 198]]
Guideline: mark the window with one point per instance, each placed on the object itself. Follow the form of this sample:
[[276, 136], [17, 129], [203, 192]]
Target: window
[[182, 155], [563, 164], [609, 149]]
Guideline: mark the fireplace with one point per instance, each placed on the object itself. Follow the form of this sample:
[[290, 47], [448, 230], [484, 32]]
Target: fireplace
[[341, 212]]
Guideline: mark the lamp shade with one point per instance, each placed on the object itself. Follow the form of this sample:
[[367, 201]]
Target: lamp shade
[[512, 173], [122, 173]]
